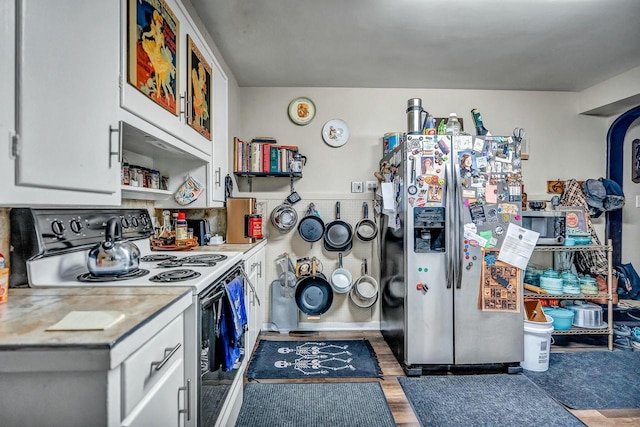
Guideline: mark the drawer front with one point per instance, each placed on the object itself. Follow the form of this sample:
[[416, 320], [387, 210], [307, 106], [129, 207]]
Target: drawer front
[[150, 363]]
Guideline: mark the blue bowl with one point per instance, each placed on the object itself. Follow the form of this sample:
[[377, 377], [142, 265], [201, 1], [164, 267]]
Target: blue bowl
[[562, 318]]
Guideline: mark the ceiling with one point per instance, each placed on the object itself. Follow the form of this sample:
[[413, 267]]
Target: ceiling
[[558, 45]]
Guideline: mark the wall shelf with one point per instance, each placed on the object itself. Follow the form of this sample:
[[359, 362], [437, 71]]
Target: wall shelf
[[250, 175], [143, 193]]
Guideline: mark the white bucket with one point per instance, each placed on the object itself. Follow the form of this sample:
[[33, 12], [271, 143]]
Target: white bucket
[[537, 343]]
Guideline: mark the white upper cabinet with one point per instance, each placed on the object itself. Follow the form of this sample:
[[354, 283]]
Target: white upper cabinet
[[220, 137], [61, 130], [156, 71], [80, 91]]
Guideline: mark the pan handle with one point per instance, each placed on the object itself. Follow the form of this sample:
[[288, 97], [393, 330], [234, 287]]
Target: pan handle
[[337, 210], [364, 265], [365, 210], [340, 260]]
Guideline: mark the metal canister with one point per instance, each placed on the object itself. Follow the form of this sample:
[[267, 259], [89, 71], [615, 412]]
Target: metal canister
[[254, 226], [415, 123]]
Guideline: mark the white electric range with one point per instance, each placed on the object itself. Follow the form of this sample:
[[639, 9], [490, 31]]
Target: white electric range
[[50, 249]]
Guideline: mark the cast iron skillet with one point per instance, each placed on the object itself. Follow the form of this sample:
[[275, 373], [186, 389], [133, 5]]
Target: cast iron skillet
[[338, 234], [314, 295], [366, 229], [311, 227]]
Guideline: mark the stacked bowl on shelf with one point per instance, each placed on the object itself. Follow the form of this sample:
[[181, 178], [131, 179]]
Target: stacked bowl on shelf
[[588, 285], [570, 283], [551, 282]]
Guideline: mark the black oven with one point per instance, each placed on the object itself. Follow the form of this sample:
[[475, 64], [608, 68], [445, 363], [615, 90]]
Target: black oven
[[215, 378]]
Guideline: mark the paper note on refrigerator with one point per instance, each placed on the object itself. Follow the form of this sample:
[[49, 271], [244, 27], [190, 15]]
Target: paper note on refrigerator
[[518, 245], [388, 199]]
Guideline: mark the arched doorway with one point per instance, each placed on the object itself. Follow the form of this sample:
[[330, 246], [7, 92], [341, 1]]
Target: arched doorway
[[615, 168]]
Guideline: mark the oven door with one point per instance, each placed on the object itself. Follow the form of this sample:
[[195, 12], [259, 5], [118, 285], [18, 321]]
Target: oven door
[[214, 381]]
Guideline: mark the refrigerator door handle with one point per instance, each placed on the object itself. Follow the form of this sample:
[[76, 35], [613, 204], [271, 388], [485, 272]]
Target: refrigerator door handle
[[457, 226], [450, 226]]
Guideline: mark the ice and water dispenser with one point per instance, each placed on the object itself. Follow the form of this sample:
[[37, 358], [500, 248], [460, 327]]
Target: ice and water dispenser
[[429, 229]]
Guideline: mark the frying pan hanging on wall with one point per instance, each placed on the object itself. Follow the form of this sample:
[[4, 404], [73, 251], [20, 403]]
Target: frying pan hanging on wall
[[338, 235]]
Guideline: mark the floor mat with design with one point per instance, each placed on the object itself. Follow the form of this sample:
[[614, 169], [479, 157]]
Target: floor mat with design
[[274, 359]]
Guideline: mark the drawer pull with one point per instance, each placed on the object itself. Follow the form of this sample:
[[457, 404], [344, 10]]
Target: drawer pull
[[168, 352], [187, 400]]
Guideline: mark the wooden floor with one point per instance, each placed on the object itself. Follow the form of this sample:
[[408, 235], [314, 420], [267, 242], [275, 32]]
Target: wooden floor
[[398, 403]]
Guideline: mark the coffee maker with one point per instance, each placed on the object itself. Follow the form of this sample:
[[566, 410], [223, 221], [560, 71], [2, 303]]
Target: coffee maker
[[243, 225]]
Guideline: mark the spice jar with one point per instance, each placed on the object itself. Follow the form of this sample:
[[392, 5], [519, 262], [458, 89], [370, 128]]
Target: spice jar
[[155, 179], [124, 174]]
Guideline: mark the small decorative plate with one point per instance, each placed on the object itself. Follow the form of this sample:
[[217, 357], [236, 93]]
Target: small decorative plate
[[301, 111], [335, 133]]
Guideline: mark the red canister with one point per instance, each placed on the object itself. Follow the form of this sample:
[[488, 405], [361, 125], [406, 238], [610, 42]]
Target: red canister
[[254, 226]]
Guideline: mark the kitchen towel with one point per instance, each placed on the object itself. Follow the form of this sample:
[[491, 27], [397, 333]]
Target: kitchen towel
[[233, 320]]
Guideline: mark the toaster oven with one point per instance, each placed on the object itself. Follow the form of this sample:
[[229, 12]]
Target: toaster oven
[[551, 225]]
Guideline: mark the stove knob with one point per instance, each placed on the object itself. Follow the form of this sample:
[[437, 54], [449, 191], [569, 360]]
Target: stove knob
[[57, 227], [134, 222], [144, 220], [76, 226], [125, 223]]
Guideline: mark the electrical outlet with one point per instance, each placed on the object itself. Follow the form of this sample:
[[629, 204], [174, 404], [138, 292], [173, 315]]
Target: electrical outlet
[[371, 186], [356, 187]]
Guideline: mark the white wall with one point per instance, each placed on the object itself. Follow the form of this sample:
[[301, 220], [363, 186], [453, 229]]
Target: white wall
[[563, 143]]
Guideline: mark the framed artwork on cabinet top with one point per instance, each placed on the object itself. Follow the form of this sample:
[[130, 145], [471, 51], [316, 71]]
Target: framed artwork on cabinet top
[[152, 51], [199, 87]]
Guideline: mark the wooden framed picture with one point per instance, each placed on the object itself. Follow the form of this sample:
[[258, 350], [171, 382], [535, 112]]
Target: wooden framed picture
[[199, 88], [152, 51]]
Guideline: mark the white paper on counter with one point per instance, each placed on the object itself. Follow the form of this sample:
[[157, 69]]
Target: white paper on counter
[[87, 321], [518, 245]]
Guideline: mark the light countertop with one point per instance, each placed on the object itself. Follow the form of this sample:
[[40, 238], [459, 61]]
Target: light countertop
[[29, 312]]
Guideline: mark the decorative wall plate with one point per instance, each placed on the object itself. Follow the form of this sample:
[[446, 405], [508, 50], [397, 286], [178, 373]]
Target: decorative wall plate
[[335, 132], [301, 111]]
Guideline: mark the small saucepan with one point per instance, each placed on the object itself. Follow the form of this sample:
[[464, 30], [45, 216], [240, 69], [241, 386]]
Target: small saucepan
[[366, 229], [341, 278], [338, 235], [311, 227], [314, 295], [365, 291]]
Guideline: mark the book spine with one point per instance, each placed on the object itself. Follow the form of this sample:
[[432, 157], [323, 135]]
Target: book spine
[[274, 157], [266, 157], [255, 164]]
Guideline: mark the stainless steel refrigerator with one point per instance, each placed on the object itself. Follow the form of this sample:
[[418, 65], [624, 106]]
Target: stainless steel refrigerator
[[447, 204]]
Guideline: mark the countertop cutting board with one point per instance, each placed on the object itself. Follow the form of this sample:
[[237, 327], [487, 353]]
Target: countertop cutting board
[[87, 321]]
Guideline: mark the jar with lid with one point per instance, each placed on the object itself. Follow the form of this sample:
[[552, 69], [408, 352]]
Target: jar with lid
[[146, 177], [135, 176], [124, 175], [155, 179], [181, 227], [453, 125]]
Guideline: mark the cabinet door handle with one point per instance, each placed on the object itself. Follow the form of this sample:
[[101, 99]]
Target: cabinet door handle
[[113, 130], [260, 269], [187, 400], [168, 352], [218, 175]]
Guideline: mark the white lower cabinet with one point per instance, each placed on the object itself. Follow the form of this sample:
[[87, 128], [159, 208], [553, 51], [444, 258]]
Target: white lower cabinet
[[255, 296], [152, 377], [76, 386]]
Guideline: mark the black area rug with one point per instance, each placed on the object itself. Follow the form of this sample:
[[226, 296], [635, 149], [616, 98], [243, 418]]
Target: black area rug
[[592, 379], [483, 400], [314, 405], [313, 359]]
